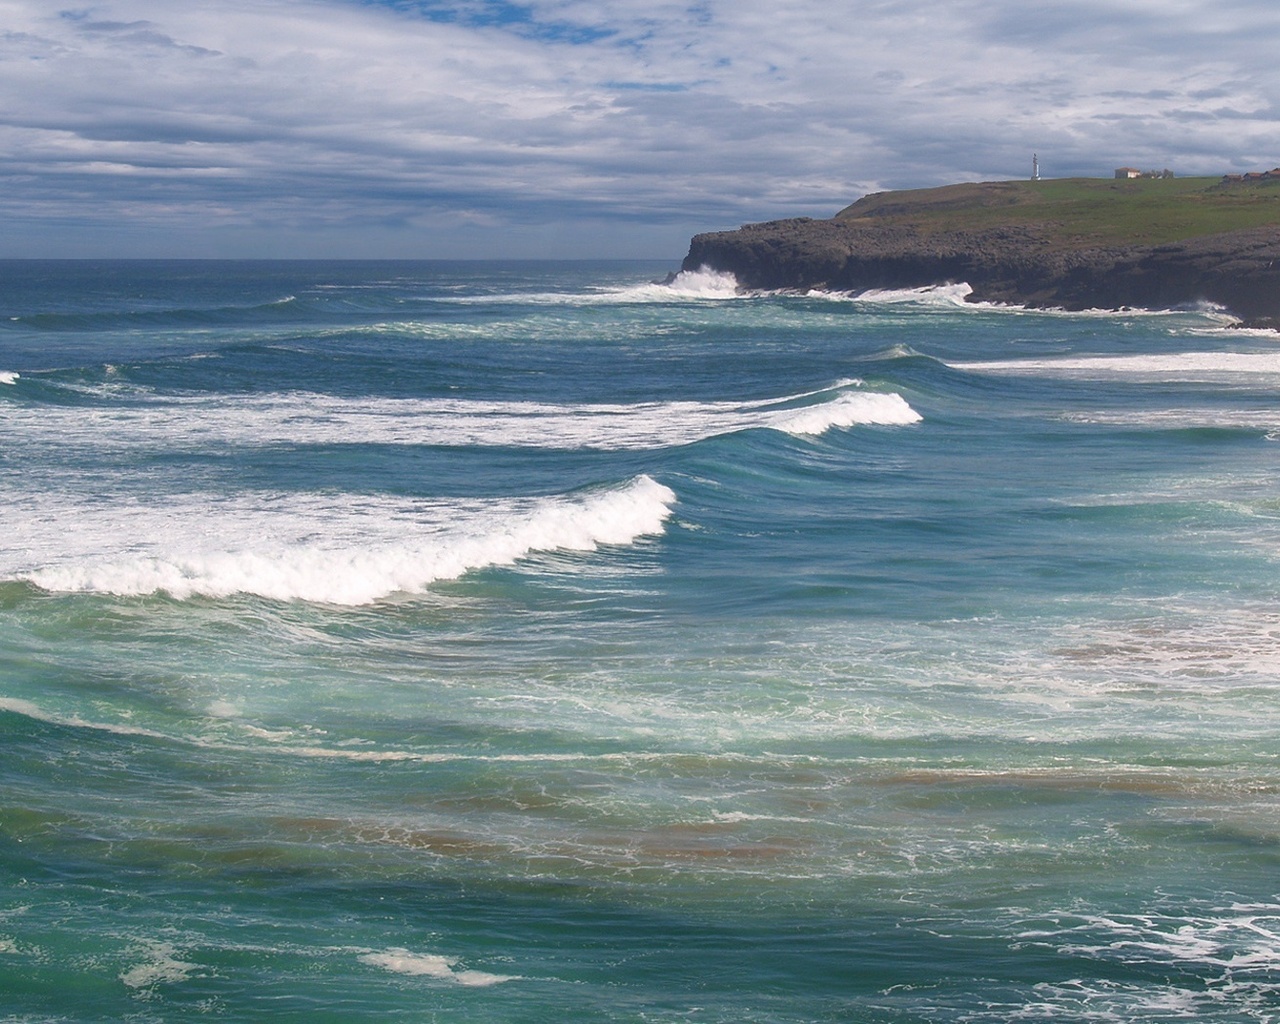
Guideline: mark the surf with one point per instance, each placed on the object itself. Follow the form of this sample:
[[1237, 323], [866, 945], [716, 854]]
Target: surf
[[331, 549], [194, 422]]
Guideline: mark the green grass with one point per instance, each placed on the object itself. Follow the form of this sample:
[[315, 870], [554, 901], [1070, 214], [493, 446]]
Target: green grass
[[1082, 211]]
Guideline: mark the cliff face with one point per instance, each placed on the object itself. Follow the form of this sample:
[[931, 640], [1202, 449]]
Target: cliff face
[[1038, 264]]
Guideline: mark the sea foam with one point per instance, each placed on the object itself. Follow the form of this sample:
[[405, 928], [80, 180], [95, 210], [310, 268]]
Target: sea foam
[[161, 966], [402, 961], [336, 549], [297, 418], [687, 285], [951, 296], [1210, 367]]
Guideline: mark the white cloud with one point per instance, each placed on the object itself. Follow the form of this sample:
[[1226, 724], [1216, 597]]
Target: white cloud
[[615, 124]]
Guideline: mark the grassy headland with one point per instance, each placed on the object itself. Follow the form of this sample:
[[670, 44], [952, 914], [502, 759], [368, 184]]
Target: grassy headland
[[1073, 243], [1081, 212]]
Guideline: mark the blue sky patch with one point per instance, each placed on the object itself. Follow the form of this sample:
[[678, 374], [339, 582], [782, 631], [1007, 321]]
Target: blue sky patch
[[518, 18]]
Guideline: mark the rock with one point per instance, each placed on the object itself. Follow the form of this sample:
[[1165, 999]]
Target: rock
[[1034, 264]]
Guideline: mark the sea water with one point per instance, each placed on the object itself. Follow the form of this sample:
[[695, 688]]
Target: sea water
[[476, 642]]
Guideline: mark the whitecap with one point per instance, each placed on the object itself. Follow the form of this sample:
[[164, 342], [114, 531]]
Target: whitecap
[[948, 296], [698, 285], [297, 418], [1206, 367], [865, 408], [8, 377], [335, 549]]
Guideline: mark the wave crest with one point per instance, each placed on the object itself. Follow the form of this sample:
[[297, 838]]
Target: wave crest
[[335, 550], [864, 408], [298, 418]]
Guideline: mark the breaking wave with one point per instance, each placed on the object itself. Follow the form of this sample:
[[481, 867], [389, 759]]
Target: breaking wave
[[316, 419], [1203, 367], [687, 285], [334, 549]]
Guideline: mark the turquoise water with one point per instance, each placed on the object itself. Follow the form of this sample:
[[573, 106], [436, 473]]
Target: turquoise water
[[529, 642]]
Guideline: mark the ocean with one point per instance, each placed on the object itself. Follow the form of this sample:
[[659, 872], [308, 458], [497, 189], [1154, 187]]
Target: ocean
[[530, 642]]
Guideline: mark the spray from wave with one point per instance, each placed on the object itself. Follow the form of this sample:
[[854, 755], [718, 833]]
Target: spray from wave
[[688, 285], [947, 296], [703, 283]]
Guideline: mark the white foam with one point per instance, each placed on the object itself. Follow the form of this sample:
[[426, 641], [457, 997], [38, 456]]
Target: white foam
[[427, 965], [1236, 948], [160, 967], [946, 295], [8, 377], [856, 409], [223, 709], [337, 549], [306, 418], [703, 284], [1262, 420], [1210, 367]]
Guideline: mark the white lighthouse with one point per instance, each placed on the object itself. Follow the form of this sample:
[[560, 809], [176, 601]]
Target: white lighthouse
[[1035, 167]]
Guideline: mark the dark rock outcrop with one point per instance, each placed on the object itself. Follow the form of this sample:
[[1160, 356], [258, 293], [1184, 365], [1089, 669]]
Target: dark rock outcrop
[[1024, 264]]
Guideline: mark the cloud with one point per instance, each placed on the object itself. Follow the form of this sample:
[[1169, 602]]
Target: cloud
[[490, 127]]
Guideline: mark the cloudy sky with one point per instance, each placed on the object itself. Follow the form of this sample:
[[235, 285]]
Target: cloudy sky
[[585, 128]]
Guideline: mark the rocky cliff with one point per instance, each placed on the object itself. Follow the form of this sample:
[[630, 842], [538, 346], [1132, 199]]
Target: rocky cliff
[[1015, 251]]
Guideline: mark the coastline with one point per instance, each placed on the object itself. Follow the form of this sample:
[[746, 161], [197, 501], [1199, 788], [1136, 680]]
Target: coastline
[[1037, 264]]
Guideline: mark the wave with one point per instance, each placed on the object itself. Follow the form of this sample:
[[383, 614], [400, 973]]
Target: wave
[[687, 285], [949, 296], [1205, 421], [1199, 317], [706, 283], [8, 377], [333, 549], [297, 418], [703, 283], [1199, 367], [847, 410], [108, 319]]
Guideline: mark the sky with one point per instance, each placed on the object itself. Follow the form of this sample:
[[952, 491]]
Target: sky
[[463, 129]]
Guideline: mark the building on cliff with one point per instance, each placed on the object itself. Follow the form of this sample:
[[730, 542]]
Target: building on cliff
[[1134, 172], [1272, 175]]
